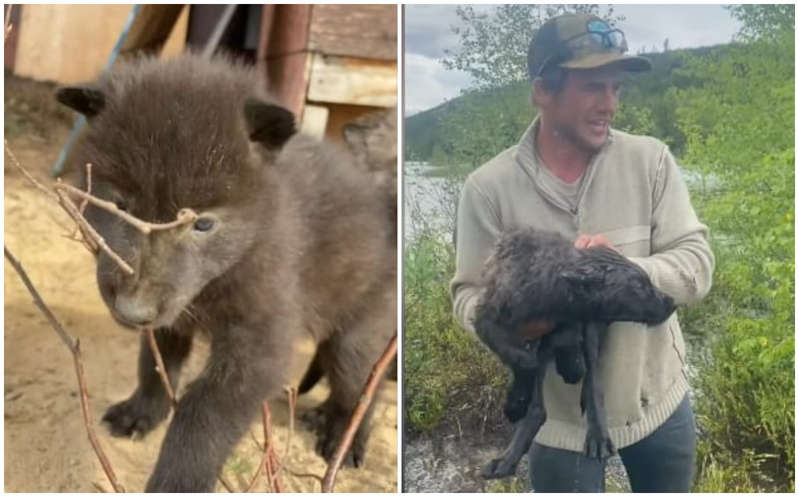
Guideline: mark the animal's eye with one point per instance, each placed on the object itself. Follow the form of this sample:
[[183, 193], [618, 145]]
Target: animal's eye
[[203, 224]]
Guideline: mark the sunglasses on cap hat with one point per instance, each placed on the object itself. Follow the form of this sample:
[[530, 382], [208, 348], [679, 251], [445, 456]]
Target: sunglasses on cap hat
[[600, 36]]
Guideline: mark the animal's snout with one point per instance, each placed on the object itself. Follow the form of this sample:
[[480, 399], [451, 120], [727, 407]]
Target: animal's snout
[[133, 310]]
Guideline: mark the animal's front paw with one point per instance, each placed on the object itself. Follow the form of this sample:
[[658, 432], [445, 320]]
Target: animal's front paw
[[330, 425], [136, 416], [498, 468], [598, 446]]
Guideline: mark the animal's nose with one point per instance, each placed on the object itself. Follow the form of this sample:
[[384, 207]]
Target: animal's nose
[[133, 310]]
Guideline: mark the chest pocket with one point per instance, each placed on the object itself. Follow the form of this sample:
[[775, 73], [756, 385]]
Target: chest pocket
[[632, 241]]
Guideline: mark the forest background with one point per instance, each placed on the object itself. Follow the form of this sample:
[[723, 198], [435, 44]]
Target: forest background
[[727, 113]]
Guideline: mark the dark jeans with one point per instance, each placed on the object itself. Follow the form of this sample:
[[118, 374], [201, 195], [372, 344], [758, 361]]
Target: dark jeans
[[662, 462]]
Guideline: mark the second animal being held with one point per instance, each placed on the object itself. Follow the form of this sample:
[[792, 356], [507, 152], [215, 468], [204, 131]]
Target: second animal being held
[[534, 276]]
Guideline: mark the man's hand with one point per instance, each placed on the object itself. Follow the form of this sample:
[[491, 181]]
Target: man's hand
[[588, 241], [534, 330]]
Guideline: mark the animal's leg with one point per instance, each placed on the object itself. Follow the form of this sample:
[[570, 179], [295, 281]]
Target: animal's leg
[[149, 404], [348, 358], [523, 433], [246, 367], [567, 342], [597, 440], [520, 393], [312, 375]]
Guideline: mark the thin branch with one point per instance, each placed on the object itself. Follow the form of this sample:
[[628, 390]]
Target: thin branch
[[28, 175], [270, 456], [159, 366], [267, 421], [91, 233], [88, 187], [228, 486], [74, 347], [360, 411], [185, 216], [292, 395], [7, 26]]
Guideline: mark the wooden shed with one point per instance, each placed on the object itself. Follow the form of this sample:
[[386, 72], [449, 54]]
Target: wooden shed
[[327, 63]]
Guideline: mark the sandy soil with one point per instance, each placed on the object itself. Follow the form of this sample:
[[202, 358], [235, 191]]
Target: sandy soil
[[46, 446]]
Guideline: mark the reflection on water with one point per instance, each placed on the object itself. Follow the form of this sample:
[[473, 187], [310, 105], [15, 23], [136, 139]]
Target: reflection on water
[[429, 201]]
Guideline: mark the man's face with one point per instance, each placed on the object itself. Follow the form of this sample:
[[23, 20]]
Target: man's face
[[581, 113]]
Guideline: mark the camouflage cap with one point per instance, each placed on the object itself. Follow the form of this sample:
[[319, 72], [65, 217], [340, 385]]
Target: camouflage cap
[[580, 41]]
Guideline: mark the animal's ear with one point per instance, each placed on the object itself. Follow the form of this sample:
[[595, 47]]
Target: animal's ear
[[268, 124], [84, 99]]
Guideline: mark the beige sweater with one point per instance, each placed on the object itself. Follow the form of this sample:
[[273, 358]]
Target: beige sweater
[[632, 193]]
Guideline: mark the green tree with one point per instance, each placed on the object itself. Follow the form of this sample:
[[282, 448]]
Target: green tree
[[738, 122]]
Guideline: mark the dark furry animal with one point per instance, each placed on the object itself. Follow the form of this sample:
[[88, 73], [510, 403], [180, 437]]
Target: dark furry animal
[[539, 276], [372, 139], [291, 239]]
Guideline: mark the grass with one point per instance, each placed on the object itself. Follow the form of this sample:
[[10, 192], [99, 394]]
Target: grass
[[446, 367]]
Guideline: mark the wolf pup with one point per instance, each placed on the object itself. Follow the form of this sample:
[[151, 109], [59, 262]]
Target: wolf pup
[[539, 276], [291, 240]]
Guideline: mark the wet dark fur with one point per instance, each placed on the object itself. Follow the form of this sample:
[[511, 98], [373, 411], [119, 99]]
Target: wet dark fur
[[291, 240], [533, 276]]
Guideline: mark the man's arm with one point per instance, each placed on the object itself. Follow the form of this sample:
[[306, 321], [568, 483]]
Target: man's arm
[[681, 264], [478, 229]]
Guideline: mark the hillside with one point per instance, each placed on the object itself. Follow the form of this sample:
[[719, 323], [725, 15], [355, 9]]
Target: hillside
[[424, 131]]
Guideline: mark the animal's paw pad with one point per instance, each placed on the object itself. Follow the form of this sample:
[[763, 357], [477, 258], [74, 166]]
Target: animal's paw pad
[[498, 468], [598, 446], [135, 417]]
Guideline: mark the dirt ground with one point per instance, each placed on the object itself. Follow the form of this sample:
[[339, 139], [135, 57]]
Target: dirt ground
[[46, 445]]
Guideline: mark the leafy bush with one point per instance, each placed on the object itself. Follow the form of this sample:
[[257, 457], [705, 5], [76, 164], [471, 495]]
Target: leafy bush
[[738, 125]]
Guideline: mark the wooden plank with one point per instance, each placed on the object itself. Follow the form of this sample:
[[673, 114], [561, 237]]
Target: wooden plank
[[290, 30], [368, 31], [286, 60], [340, 115], [72, 43], [67, 43], [10, 47], [348, 80], [151, 28], [176, 42], [314, 120]]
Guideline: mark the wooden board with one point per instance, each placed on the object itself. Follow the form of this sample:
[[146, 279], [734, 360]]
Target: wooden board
[[10, 47], [176, 42], [72, 43], [151, 28], [314, 120], [67, 43], [282, 54], [340, 115], [368, 31], [347, 80]]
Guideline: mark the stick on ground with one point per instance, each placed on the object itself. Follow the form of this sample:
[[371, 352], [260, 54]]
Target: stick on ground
[[357, 416], [74, 347]]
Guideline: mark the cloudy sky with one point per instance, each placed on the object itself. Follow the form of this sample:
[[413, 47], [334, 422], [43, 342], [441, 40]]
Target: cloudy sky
[[428, 32]]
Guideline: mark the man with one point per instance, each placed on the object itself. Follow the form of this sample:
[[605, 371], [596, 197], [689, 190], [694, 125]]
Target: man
[[571, 173]]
